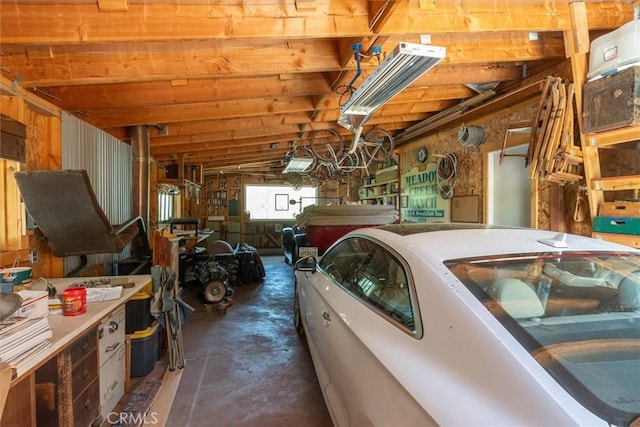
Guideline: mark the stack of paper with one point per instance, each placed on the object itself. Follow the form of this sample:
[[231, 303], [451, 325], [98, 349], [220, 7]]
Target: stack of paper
[[22, 338]]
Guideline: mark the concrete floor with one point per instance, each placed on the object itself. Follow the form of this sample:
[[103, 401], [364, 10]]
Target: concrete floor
[[245, 365]]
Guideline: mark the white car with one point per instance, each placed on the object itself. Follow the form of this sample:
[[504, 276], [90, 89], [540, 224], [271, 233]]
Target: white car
[[452, 325]]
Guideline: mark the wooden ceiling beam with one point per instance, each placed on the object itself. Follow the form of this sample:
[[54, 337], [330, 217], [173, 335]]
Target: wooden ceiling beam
[[379, 13], [43, 22], [217, 145], [229, 124], [247, 145], [108, 118], [229, 135], [211, 127], [506, 15], [243, 161], [243, 136], [163, 92], [100, 68], [46, 23], [428, 87]]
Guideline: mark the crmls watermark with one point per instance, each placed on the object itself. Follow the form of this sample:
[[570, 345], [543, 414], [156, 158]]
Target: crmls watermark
[[130, 418]]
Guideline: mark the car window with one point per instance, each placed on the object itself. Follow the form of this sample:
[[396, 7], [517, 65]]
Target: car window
[[578, 314], [372, 274]]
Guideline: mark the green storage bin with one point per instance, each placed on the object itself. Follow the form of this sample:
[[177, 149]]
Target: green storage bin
[[617, 225]]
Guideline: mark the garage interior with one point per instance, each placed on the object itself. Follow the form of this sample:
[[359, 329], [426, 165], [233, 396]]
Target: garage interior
[[176, 108]]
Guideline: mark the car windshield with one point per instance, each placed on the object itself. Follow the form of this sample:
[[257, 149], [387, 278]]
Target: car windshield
[[578, 314]]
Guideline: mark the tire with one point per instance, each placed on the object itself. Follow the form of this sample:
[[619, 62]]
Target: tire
[[379, 145], [259, 266], [326, 145], [214, 292]]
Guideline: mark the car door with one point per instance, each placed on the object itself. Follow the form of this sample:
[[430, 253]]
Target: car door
[[315, 289], [312, 306], [367, 310]]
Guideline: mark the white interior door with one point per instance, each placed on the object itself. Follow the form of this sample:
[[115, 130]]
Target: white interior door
[[509, 189]]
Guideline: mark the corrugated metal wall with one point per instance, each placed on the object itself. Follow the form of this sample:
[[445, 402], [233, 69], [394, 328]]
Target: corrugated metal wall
[[107, 161]]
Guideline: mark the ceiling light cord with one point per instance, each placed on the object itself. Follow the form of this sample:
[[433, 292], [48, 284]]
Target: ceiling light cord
[[342, 90], [356, 52]]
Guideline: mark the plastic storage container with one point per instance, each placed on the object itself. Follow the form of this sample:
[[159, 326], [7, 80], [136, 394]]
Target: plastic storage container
[[145, 347], [615, 51], [138, 311], [617, 225]]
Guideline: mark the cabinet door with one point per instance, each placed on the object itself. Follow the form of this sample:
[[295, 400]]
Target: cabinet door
[[19, 408]]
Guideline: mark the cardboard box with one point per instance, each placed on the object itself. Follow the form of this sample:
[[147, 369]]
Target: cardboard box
[[34, 304]]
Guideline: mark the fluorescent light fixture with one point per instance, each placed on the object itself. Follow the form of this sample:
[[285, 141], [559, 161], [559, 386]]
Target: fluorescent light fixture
[[404, 65], [298, 165]]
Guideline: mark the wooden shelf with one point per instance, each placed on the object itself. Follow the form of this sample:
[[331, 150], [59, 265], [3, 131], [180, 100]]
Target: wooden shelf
[[385, 192], [613, 137], [622, 239], [221, 192], [616, 183]]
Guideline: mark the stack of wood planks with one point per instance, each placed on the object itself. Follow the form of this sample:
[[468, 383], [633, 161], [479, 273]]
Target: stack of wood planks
[[553, 154]]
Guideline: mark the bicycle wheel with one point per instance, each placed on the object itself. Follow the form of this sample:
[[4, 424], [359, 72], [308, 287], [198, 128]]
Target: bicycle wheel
[[326, 145], [350, 162], [378, 144], [322, 174]]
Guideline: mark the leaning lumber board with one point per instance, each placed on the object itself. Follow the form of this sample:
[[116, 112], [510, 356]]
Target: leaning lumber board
[[556, 129], [537, 143], [545, 135], [536, 122]]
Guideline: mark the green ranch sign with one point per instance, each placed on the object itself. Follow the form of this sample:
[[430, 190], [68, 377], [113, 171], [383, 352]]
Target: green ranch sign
[[421, 200]]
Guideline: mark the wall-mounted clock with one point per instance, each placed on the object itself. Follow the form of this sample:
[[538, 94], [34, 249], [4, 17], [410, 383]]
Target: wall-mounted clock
[[422, 154]]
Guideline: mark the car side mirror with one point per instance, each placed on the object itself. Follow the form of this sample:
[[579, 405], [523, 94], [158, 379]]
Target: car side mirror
[[308, 263]]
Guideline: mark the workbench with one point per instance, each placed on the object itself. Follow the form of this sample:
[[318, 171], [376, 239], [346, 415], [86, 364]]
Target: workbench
[[61, 385]]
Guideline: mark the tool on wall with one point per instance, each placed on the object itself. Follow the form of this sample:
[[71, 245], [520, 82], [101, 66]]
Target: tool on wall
[[581, 208], [446, 173], [471, 136]]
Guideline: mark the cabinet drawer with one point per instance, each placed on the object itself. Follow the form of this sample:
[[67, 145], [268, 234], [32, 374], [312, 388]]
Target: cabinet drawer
[[86, 405], [83, 346], [112, 377], [84, 372], [111, 333]]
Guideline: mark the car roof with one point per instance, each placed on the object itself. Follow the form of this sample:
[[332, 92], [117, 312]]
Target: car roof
[[454, 240]]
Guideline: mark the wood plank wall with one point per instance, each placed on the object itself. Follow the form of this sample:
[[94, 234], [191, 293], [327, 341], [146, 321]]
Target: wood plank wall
[[43, 152]]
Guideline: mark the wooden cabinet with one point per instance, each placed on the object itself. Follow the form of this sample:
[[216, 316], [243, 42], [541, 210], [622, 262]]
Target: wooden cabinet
[[111, 359], [67, 385], [61, 386]]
